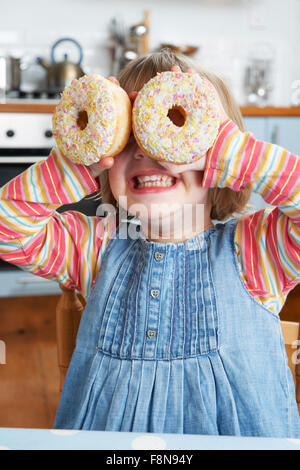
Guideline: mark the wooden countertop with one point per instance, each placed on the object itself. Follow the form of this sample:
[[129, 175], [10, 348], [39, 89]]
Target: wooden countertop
[[27, 107], [270, 111], [46, 107]]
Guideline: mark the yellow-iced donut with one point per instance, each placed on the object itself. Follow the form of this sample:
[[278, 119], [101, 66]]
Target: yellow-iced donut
[[92, 120], [157, 134]]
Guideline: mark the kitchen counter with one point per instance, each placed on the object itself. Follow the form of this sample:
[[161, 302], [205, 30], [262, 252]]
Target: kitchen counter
[[44, 106], [28, 106], [270, 111]]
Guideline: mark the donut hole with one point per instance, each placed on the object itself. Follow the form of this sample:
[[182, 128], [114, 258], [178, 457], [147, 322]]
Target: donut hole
[[177, 115], [82, 119]]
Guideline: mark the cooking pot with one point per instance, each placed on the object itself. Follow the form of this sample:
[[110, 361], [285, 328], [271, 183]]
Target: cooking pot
[[10, 73], [60, 74]]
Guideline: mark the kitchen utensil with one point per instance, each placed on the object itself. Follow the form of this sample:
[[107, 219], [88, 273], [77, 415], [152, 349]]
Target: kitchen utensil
[[137, 31], [10, 73], [118, 41], [257, 81], [295, 98], [127, 45], [60, 74], [186, 50]]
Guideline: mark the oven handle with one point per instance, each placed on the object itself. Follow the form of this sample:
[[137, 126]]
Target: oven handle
[[21, 159], [34, 280]]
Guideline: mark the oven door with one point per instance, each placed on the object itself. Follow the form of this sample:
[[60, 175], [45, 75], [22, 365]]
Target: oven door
[[25, 137]]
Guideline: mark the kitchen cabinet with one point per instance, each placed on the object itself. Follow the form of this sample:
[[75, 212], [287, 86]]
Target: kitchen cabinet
[[17, 283], [256, 125], [283, 131]]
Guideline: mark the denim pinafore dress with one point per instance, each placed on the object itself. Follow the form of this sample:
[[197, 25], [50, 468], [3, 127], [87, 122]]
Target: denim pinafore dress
[[172, 342]]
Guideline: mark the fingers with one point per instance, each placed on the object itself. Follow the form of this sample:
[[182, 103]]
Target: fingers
[[176, 68], [132, 96], [198, 165], [173, 168], [114, 80], [106, 163]]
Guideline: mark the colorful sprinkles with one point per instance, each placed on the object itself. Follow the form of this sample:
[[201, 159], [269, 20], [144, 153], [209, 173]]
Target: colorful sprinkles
[[158, 135], [91, 93]]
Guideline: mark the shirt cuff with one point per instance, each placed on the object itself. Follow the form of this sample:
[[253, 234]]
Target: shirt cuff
[[215, 153], [86, 181]]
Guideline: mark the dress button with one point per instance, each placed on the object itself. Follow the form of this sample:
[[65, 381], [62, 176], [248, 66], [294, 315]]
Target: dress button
[[151, 334], [158, 256], [154, 293]]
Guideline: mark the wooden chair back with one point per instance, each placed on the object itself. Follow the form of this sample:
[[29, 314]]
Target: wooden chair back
[[68, 315], [291, 336]]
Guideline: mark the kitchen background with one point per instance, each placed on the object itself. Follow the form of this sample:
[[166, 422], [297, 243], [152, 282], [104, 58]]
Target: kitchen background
[[253, 44], [228, 33]]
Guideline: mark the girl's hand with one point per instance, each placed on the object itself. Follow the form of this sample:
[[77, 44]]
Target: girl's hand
[[106, 162]]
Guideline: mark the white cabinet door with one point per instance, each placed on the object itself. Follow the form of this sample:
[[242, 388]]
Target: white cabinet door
[[284, 131], [17, 283], [258, 126]]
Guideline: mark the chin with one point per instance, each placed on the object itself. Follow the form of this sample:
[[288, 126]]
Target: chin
[[155, 211]]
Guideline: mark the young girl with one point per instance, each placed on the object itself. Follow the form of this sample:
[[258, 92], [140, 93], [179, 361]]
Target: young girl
[[180, 334]]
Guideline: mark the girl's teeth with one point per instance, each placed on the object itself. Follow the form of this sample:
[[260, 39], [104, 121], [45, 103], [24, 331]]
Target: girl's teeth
[[150, 181]]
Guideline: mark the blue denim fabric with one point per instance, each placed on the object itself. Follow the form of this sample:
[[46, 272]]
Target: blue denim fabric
[[171, 341]]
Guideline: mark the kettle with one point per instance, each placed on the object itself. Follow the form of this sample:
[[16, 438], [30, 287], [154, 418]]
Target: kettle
[[60, 74]]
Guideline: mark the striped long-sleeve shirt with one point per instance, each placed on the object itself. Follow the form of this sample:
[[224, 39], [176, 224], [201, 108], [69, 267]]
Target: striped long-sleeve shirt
[[267, 243], [69, 247]]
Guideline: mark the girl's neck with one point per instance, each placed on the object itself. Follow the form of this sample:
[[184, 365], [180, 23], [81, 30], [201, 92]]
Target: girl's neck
[[177, 229]]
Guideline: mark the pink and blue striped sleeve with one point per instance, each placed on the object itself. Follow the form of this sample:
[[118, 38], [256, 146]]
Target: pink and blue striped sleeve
[[267, 242], [34, 236]]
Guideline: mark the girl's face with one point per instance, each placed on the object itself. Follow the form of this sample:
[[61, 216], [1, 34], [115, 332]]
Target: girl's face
[[157, 191]]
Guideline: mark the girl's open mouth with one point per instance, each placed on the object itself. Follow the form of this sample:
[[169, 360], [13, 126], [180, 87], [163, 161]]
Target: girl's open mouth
[[152, 183]]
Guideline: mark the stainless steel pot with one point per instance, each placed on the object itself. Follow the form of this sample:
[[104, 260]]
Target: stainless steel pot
[[10, 73]]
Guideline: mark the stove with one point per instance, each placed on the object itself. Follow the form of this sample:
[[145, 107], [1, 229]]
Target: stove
[[32, 95], [25, 137]]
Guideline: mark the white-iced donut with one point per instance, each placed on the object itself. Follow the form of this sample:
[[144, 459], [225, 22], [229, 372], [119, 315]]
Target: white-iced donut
[[92, 120], [156, 133]]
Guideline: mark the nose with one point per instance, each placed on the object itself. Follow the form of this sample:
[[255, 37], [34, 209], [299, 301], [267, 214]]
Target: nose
[[138, 153], [171, 167]]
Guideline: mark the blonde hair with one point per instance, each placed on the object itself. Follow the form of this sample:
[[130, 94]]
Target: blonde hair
[[225, 202]]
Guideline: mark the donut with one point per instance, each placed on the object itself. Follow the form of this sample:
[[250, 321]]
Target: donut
[[155, 131], [92, 120]]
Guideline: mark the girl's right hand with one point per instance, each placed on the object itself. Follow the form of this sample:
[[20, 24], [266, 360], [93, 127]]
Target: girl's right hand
[[104, 164]]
